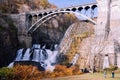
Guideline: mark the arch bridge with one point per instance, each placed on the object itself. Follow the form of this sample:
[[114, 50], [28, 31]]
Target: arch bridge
[[35, 19]]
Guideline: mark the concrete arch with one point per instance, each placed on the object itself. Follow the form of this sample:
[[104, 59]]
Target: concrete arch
[[43, 19], [94, 10], [28, 20], [89, 12], [29, 16], [35, 15], [87, 7], [34, 18], [93, 6], [68, 9], [80, 8], [44, 14], [50, 12], [73, 9], [40, 15]]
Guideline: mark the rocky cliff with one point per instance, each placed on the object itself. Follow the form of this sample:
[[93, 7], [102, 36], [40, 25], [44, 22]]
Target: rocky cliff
[[8, 40], [53, 31], [18, 6], [49, 33]]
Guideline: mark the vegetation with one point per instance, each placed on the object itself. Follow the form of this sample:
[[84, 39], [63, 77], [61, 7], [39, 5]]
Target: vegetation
[[20, 72], [74, 48], [15, 6], [6, 73], [111, 68]]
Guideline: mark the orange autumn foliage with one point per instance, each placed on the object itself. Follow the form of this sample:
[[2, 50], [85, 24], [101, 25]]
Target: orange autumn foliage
[[23, 72], [27, 73], [61, 70]]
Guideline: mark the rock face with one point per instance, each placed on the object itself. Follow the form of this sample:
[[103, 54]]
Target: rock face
[[78, 40], [8, 40], [18, 6], [53, 31]]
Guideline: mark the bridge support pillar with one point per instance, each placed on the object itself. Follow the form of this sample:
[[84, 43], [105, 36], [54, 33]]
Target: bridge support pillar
[[28, 21]]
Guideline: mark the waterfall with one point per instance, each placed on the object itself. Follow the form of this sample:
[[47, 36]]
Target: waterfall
[[51, 60], [106, 62], [27, 55], [35, 46], [19, 55], [44, 47], [36, 55], [74, 60], [45, 57], [18, 58], [11, 65]]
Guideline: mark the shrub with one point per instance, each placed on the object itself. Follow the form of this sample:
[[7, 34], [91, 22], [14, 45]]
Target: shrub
[[27, 73], [111, 68], [23, 72], [6, 73], [61, 70]]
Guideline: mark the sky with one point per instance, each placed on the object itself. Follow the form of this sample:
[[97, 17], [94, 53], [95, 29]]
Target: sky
[[67, 3]]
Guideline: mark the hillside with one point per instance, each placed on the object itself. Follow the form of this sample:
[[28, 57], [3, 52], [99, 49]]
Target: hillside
[[49, 33], [9, 42], [17, 6]]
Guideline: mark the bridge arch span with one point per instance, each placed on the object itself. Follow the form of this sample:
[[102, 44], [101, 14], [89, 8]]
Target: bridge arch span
[[51, 15]]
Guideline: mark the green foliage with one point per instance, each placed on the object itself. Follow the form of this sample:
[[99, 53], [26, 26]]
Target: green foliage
[[111, 68], [6, 73], [20, 72], [13, 6], [45, 4]]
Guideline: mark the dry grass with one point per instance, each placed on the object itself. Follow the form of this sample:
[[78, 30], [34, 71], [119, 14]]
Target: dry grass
[[88, 76]]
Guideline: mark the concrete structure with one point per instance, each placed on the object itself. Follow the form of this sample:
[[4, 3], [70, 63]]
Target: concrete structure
[[32, 17], [106, 41], [24, 21]]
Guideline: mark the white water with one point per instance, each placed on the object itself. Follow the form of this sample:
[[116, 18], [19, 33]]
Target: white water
[[46, 57], [36, 55], [11, 65], [36, 46], [51, 60], [27, 55], [74, 60], [44, 47], [19, 55]]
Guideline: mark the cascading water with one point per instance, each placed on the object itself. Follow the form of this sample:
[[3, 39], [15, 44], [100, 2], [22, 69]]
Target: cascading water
[[51, 60], [19, 55], [74, 60], [18, 58], [27, 55], [45, 57]]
